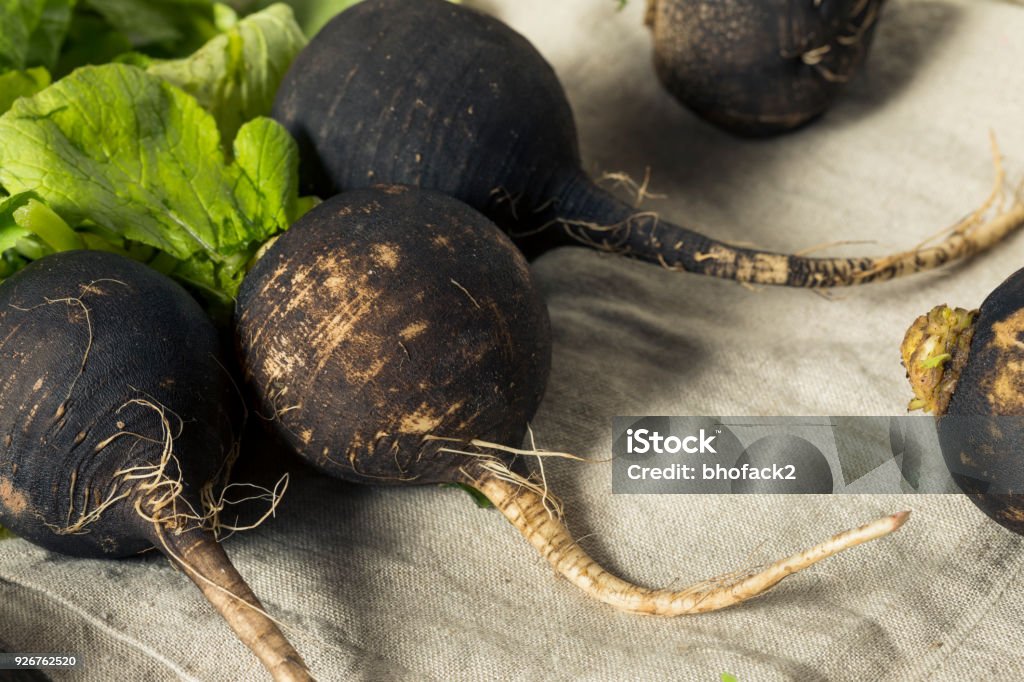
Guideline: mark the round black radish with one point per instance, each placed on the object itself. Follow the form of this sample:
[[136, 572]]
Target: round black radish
[[394, 336], [388, 315], [759, 67], [967, 367], [435, 95], [115, 414]]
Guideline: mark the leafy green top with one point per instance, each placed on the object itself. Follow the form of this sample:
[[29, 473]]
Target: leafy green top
[[120, 157], [114, 146], [236, 74], [15, 84], [33, 32]]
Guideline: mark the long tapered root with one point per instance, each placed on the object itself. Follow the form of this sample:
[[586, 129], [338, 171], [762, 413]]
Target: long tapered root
[[677, 248], [204, 561], [593, 218], [526, 510], [974, 234]]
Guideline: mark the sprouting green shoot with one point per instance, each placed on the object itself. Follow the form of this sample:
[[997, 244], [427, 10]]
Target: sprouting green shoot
[[935, 361]]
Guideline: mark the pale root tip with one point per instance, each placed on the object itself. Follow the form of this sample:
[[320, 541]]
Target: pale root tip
[[899, 518], [883, 526]]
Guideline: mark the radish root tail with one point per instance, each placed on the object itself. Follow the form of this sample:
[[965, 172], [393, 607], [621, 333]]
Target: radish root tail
[[528, 511], [644, 235], [204, 561], [188, 538]]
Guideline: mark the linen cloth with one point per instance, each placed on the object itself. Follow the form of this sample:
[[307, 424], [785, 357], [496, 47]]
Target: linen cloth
[[381, 583]]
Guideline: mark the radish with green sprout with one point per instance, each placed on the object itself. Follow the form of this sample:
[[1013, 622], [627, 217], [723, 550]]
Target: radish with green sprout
[[760, 67], [967, 368], [116, 424], [440, 96]]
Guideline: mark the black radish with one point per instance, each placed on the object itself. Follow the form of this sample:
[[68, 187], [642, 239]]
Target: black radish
[[394, 336], [436, 95], [117, 421], [967, 368], [760, 67]]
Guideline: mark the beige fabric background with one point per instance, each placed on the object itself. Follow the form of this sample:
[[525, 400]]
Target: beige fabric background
[[419, 584]]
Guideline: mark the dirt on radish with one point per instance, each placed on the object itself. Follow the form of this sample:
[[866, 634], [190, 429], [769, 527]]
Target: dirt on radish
[[757, 67], [119, 423], [967, 368], [394, 336], [502, 138]]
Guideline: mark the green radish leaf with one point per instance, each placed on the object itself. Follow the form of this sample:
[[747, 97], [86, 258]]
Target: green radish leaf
[[33, 31], [171, 26], [311, 14], [122, 149], [50, 32], [18, 19], [6, 534], [235, 75], [91, 40], [15, 84]]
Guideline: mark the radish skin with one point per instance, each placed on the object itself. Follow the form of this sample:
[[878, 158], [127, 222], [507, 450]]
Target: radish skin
[[118, 422], [759, 67], [967, 368], [501, 138], [394, 336]]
